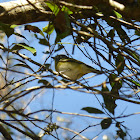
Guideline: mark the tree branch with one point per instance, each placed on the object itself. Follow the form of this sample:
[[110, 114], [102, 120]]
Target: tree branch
[[5, 133], [21, 12], [28, 11]]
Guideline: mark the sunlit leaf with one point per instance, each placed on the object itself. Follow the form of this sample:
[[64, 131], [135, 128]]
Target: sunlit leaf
[[134, 54], [92, 110], [118, 15], [49, 28], [24, 46], [106, 123], [54, 8], [134, 82], [14, 26], [67, 10]]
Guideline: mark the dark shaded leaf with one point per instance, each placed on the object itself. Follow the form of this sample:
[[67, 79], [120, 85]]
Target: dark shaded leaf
[[121, 134], [106, 123], [111, 33], [6, 29], [109, 101], [117, 26], [112, 78], [92, 110], [62, 26], [45, 67], [122, 34], [45, 82], [120, 62], [32, 28], [118, 84], [43, 42], [17, 34], [115, 90], [137, 32], [47, 52], [20, 60], [24, 65], [60, 47]]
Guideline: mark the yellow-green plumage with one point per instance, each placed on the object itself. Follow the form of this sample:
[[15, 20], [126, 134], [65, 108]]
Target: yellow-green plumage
[[72, 68]]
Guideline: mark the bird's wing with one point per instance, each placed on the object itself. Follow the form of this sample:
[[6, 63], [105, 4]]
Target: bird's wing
[[72, 60]]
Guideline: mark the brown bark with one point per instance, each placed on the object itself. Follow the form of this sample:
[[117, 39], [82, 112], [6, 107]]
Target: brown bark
[[27, 11]]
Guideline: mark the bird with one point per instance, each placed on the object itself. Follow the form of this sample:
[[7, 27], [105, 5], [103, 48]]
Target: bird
[[71, 68]]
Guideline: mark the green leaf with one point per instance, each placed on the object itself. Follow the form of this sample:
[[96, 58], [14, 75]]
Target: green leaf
[[111, 33], [118, 15], [49, 28], [120, 62], [121, 134], [14, 26], [66, 29], [106, 123], [34, 29], [7, 29], [45, 82], [137, 32], [54, 8], [115, 89], [92, 110], [134, 82], [134, 54], [43, 42], [112, 78], [24, 46], [67, 10], [109, 101]]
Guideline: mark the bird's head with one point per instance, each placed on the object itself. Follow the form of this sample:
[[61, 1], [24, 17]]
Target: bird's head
[[59, 57]]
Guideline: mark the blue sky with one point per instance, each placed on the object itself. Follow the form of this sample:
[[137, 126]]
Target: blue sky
[[74, 101]]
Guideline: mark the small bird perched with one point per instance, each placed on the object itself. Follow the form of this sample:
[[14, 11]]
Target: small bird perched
[[72, 68]]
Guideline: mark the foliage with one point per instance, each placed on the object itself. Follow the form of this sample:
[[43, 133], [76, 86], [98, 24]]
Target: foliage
[[105, 40]]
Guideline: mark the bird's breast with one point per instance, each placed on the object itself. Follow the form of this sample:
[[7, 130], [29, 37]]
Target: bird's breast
[[72, 71]]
